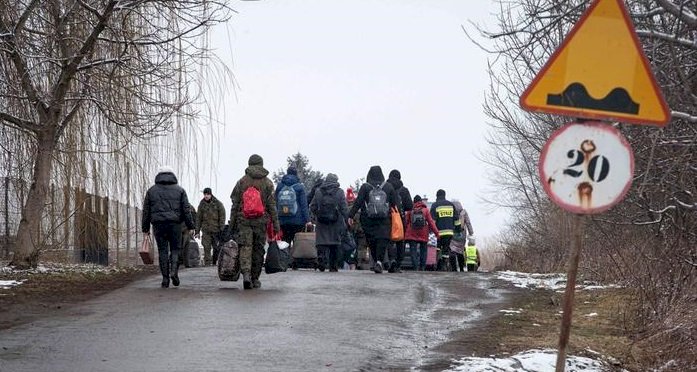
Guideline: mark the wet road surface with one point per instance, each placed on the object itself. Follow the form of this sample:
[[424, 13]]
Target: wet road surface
[[298, 321]]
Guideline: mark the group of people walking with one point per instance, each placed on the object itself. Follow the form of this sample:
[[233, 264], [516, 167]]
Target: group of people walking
[[373, 217]]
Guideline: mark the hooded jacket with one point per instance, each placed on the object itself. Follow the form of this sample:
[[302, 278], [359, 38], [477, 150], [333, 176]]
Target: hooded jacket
[[419, 234], [255, 175], [302, 216], [405, 201], [166, 202], [378, 228], [211, 216], [330, 234]]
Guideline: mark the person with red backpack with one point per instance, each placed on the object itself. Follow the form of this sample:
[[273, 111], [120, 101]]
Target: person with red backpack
[[418, 223], [253, 203]]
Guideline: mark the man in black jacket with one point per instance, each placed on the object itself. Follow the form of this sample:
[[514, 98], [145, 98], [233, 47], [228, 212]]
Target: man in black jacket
[[166, 207], [405, 204], [375, 199], [443, 212]]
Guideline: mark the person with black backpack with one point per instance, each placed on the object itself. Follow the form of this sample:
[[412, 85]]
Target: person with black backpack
[[418, 224], [405, 204], [375, 200], [292, 205], [330, 210]]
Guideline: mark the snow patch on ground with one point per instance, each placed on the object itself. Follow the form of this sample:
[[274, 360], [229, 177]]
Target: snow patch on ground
[[5, 284], [528, 361], [50, 267], [553, 281], [511, 311]]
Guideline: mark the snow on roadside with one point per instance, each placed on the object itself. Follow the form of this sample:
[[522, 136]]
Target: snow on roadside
[[52, 267], [535, 360], [553, 281], [6, 284]]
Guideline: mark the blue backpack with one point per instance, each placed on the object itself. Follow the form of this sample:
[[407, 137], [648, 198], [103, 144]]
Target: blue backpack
[[287, 202]]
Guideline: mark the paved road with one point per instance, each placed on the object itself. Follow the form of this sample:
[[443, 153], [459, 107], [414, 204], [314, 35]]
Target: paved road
[[297, 321]]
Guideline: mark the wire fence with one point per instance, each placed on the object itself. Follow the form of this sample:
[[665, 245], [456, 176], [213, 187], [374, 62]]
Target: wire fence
[[76, 226]]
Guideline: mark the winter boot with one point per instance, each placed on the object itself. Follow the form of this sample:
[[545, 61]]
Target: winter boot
[[165, 282], [256, 283], [247, 281], [175, 268], [378, 267]]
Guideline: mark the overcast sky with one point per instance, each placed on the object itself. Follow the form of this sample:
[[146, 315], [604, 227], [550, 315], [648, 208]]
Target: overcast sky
[[352, 84]]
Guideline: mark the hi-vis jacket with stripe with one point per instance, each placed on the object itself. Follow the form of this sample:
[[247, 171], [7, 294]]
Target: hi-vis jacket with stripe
[[443, 212]]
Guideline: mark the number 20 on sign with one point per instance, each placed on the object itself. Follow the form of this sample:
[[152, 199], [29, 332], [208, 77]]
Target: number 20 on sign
[[586, 168]]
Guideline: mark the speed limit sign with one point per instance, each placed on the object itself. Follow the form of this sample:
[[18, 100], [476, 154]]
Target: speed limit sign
[[586, 168]]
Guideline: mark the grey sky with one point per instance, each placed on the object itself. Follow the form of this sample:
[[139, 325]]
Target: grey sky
[[352, 84]]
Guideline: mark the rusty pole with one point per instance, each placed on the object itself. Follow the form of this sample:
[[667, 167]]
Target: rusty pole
[[576, 242]]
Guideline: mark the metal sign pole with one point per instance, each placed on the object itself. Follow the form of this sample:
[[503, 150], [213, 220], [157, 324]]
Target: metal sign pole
[[577, 241]]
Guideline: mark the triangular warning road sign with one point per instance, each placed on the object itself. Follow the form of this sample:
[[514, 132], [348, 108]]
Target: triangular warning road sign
[[599, 72]]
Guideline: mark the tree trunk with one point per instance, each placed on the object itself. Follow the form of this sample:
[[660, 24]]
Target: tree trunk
[[26, 250]]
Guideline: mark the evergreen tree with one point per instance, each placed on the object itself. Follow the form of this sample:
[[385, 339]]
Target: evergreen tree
[[307, 175]]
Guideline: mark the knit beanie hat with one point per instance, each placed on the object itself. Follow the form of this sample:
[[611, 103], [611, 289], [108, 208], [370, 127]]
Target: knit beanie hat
[[331, 177], [440, 193], [256, 160], [350, 196], [208, 191], [292, 170], [395, 174], [417, 198]]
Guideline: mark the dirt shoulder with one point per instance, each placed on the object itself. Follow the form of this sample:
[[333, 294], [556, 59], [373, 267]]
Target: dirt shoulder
[[532, 320], [47, 293]]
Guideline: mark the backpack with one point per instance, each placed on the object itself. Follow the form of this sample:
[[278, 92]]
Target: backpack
[[252, 206], [377, 205], [328, 208], [418, 220], [287, 201]]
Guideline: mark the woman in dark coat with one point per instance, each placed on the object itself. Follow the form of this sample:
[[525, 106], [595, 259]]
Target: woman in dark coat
[[377, 230], [330, 209]]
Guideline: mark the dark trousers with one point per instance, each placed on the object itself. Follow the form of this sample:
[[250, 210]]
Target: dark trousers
[[418, 254], [455, 259], [377, 247], [472, 267], [289, 232], [398, 254], [329, 256], [168, 238], [444, 246]]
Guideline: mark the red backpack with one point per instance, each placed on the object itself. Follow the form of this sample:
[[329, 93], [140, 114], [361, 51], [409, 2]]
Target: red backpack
[[252, 206]]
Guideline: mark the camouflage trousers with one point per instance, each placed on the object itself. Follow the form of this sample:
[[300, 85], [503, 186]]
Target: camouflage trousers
[[211, 246], [251, 239]]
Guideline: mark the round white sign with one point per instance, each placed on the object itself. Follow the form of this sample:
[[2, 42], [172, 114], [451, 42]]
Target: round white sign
[[586, 168]]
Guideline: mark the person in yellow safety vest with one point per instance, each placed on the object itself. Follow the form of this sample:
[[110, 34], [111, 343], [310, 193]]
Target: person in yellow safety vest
[[472, 256]]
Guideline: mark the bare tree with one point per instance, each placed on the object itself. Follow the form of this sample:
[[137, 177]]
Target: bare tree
[[112, 70], [646, 242]]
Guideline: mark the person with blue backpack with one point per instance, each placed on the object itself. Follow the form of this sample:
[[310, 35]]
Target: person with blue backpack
[[375, 200], [292, 205]]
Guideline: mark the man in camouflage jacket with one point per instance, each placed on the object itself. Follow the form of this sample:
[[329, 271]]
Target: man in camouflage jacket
[[251, 232]]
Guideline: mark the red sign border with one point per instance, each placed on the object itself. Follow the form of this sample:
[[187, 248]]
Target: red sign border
[[580, 113], [543, 177]]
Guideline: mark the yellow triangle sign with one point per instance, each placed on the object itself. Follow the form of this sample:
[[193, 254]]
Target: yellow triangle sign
[[599, 72]]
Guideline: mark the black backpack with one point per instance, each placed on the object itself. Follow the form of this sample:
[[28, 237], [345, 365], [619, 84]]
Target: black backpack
[[328, 208], [418, 220], [377, 205]]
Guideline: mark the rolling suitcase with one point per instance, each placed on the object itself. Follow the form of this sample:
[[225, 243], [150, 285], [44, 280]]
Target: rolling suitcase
[[431, 257], [304, 251]]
